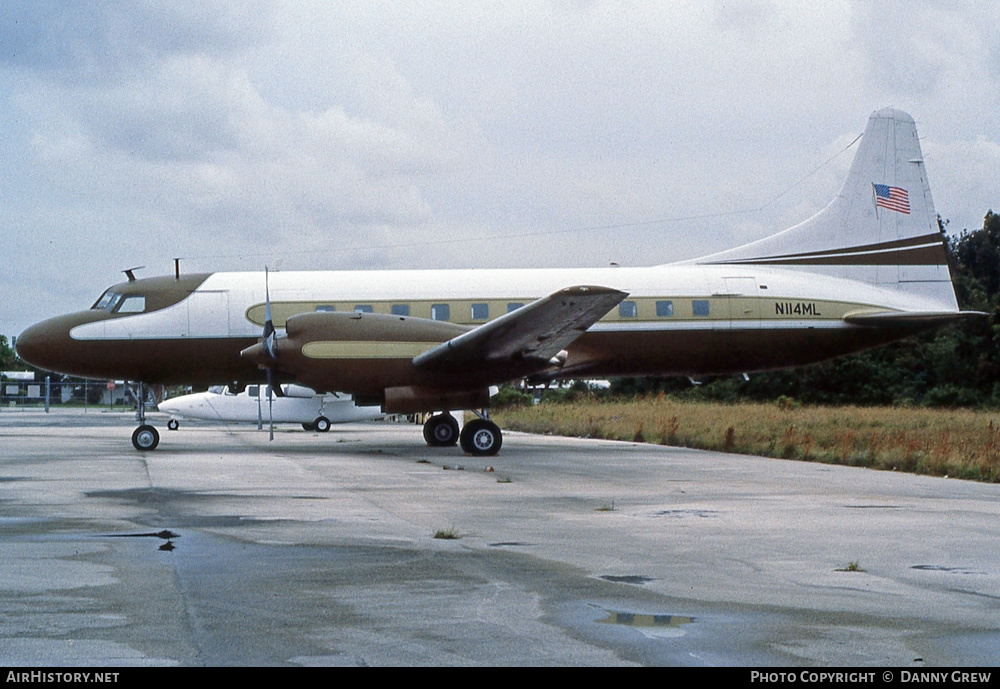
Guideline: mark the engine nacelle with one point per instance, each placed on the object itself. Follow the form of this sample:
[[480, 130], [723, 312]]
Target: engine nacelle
[[324, 351], [366, 327]]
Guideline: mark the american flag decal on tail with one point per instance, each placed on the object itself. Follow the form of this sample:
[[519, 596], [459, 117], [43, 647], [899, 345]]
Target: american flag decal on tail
[[893, 198]]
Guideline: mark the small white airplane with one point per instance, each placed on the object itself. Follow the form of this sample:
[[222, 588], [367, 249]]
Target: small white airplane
[[253, 405], [868, 269]]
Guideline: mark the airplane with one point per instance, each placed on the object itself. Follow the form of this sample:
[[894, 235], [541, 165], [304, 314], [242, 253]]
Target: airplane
[[867, 269], [296, 405]]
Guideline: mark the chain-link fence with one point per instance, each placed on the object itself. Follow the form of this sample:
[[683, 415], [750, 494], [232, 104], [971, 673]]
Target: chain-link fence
[[65, 392]]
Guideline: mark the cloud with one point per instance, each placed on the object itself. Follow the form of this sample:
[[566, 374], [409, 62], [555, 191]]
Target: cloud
[[194, 143]]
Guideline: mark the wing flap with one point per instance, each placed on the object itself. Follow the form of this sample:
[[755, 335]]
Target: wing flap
[[537, 331]]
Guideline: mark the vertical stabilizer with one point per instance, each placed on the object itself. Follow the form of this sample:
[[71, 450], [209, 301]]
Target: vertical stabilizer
[[881, 228]]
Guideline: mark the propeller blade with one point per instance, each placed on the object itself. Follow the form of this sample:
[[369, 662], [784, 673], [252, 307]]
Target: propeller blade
[[270, 412], [268, 340], [268, 337]]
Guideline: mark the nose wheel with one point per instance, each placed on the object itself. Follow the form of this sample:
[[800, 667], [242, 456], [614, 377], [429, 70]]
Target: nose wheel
[[145, 437]]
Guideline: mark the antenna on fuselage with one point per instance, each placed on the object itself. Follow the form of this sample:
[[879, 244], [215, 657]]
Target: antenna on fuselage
[[177, 269], [131, 276]]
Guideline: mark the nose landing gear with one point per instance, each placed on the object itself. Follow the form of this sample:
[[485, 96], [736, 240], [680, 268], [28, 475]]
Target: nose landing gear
[[145, 437]]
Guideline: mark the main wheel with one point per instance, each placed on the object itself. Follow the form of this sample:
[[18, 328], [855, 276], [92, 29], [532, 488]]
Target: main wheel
[[441, 430], [481, 438], [309, 427], [145, 437], [173, 424], [322, 424]]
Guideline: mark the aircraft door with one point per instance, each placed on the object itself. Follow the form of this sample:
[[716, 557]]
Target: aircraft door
[[744, 304], [208, 314]]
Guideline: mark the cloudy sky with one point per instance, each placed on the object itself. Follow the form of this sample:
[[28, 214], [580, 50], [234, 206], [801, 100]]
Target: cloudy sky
[[307, 135]]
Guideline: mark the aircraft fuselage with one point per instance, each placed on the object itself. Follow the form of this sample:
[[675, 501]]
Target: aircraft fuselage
[[676, 320]]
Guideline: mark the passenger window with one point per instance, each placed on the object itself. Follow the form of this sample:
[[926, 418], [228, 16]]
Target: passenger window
[[664, 309], [628, 309], [400, 309], [480, 312], [514, 306], [364, 308], [325, 308], [132, 304], [253, 390], [440, 312], [700, 307]]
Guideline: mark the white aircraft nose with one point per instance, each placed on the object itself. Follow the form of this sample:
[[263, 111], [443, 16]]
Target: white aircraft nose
[[168, 407], [175, 406]]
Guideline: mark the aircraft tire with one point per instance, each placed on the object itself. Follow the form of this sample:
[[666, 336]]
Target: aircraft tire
[[321, 424], [145, 438], [481, 438], [173, 425], [441, 430], [308, 427]]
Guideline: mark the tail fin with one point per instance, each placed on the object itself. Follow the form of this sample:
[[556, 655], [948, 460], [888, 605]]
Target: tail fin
[[881, 228]]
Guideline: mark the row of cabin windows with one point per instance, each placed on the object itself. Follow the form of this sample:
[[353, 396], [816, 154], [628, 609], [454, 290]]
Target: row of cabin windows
[[481, 312], [664, 309], [439, 312]]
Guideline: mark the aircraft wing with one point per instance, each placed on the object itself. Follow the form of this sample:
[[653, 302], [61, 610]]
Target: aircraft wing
[[536, 332]]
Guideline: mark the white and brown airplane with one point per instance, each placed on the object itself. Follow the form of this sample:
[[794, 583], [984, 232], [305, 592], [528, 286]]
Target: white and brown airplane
[[868, 269]]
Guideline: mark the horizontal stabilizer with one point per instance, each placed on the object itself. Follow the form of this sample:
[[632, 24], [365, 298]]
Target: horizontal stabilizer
[[909, 319]]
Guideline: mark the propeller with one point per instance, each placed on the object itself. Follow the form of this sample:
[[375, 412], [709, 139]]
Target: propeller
[[268, 339], [265, 354]]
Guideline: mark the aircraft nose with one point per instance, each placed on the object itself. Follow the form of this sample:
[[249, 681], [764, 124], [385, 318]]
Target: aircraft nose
[[48, 345], [167, 406], [34, 344]]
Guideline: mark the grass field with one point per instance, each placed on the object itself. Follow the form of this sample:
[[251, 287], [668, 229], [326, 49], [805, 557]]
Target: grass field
[[957, 443]]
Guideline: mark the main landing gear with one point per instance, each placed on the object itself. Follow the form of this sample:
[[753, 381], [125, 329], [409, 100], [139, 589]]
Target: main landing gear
[[441, 430], [145, 437], [480, 437]]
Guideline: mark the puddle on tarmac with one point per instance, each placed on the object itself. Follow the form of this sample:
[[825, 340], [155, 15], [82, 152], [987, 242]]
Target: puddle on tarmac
[[636, 579], [678, 514], [942, 568], [647, 621]]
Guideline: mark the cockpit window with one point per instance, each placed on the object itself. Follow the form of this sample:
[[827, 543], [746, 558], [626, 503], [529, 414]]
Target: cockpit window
[[134, 303], [105, 300], [115, 302]]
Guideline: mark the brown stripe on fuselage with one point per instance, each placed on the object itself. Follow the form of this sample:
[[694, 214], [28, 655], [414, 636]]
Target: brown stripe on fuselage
[[921, 256], [926, 250]]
